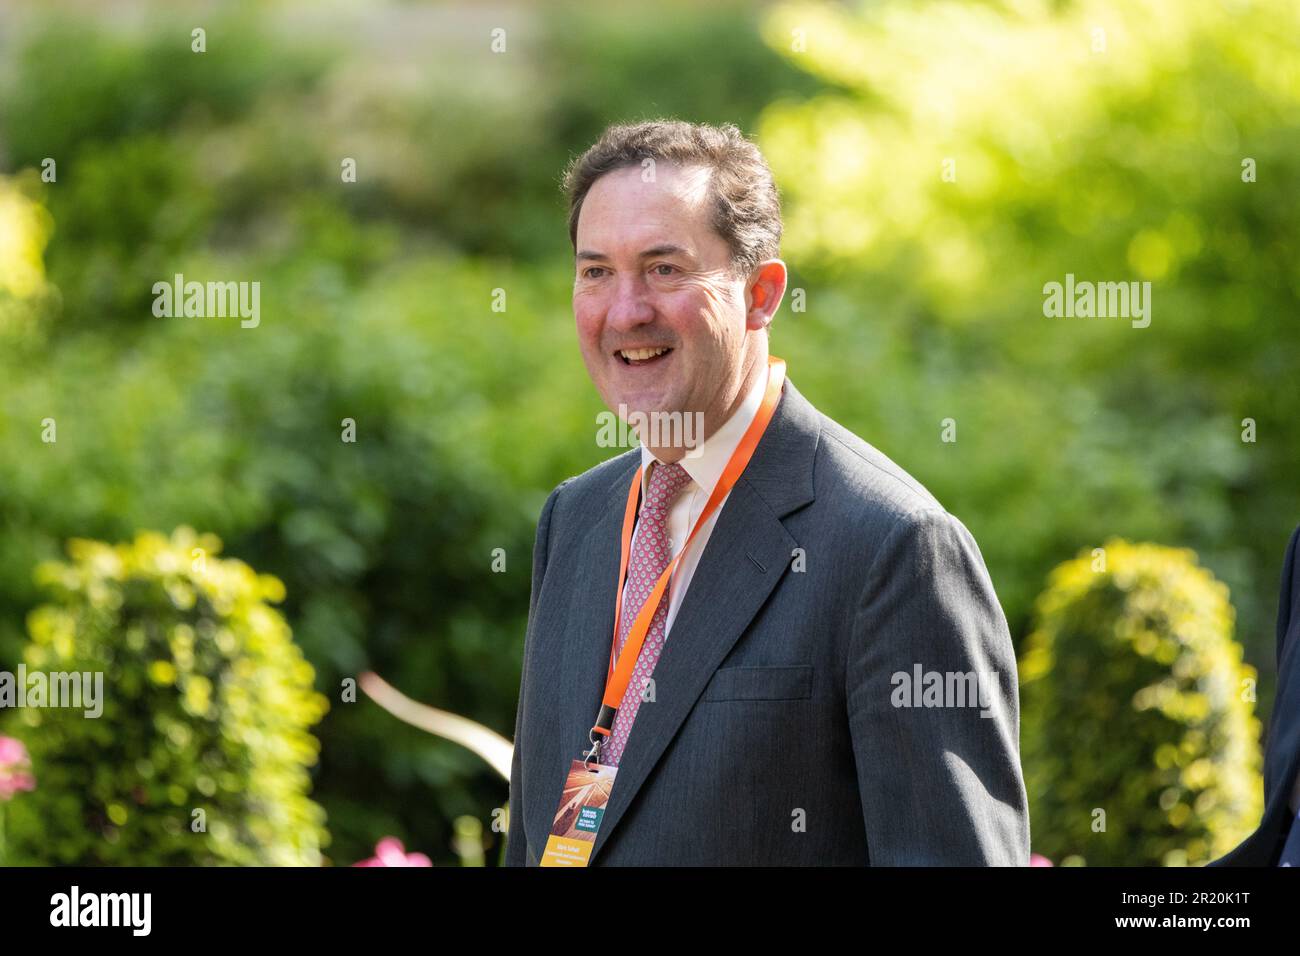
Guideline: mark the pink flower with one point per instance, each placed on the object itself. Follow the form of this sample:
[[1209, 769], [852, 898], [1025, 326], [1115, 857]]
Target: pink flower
[[1037, 859], [390, 852], [15, 768]]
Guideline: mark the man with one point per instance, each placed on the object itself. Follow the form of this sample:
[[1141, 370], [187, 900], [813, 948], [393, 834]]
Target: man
[[776, 715], [1276, 842]]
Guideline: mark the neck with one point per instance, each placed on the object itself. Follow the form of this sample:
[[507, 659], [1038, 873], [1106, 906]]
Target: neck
[[757, 366]]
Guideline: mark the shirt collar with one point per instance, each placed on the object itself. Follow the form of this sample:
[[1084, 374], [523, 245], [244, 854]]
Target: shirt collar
[[706, 463]]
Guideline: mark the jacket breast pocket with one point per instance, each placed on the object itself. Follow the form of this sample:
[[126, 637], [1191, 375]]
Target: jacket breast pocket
[[779, 682]]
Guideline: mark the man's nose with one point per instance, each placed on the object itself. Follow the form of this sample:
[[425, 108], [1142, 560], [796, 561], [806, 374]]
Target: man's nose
[[630, 306]]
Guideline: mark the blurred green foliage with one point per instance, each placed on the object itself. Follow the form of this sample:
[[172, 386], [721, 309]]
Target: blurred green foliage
[[923, 303], [200, 753], [1138, 733]]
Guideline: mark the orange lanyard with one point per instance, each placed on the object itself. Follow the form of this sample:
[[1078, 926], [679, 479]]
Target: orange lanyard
[[617, 680]]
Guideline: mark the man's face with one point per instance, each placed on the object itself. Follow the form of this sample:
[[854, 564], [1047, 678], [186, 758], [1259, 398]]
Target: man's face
[[652, 274]]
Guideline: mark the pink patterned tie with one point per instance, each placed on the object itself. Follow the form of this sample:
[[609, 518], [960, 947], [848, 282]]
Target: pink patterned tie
[[651, 553]]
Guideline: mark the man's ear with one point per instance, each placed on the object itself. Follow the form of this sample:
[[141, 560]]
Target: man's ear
[[765, 290]]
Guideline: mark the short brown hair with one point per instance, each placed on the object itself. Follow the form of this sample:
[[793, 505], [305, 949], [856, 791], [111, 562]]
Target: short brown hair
[[746, 205]]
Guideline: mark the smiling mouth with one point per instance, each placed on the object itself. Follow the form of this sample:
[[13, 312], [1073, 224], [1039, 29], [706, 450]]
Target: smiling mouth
[[642, 356]]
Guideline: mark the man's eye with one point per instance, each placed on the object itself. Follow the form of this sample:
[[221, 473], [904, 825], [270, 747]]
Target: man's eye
[[664, 265], [588, 272]]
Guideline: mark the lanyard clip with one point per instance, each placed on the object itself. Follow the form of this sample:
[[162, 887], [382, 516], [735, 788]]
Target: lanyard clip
[[594, 753], [603, 727]]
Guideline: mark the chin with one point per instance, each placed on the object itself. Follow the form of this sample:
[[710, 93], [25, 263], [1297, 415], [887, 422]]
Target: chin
[[648, 404]]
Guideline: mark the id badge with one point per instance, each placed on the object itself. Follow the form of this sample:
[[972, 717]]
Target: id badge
[[581, 810]]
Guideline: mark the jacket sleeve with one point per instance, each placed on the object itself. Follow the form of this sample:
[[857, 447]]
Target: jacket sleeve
[[1262, 847], [940, 784], [1288, 596], [516, 840]]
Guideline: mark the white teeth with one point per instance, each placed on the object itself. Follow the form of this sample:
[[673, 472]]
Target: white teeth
[[638, 355]]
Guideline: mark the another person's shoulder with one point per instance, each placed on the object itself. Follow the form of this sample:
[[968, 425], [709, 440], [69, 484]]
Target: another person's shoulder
[[1289, 596], [1291, 563]]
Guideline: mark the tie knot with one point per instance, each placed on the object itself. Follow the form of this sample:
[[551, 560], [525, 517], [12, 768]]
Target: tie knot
[[666, 483]]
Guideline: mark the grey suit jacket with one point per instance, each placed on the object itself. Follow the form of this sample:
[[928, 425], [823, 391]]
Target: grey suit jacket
[[774, 737], [1282, 752]]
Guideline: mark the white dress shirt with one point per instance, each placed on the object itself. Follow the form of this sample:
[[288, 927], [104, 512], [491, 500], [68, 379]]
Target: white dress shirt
[[705, 465]]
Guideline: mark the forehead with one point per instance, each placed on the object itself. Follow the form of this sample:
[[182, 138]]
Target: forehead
[[623, 210]]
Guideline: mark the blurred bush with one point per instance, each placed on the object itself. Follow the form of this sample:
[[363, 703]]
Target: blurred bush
[[202, 749], [1135, 703], [25, 227]]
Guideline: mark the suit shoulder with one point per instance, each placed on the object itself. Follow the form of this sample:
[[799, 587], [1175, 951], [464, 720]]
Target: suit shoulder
[[592, 487], [856, 474]]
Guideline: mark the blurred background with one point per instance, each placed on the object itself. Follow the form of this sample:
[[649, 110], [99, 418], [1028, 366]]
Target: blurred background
[[180, 509]]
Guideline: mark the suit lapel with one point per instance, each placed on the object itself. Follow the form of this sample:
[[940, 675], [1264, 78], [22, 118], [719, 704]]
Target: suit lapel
[[748, 552], [588, 630]]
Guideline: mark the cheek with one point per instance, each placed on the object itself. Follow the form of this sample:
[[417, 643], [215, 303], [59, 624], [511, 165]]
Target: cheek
[[690, 306], [587, 314], [715, 314], [723, 301]]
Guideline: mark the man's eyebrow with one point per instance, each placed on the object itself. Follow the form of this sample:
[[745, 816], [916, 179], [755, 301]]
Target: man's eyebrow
[[667, 249]]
